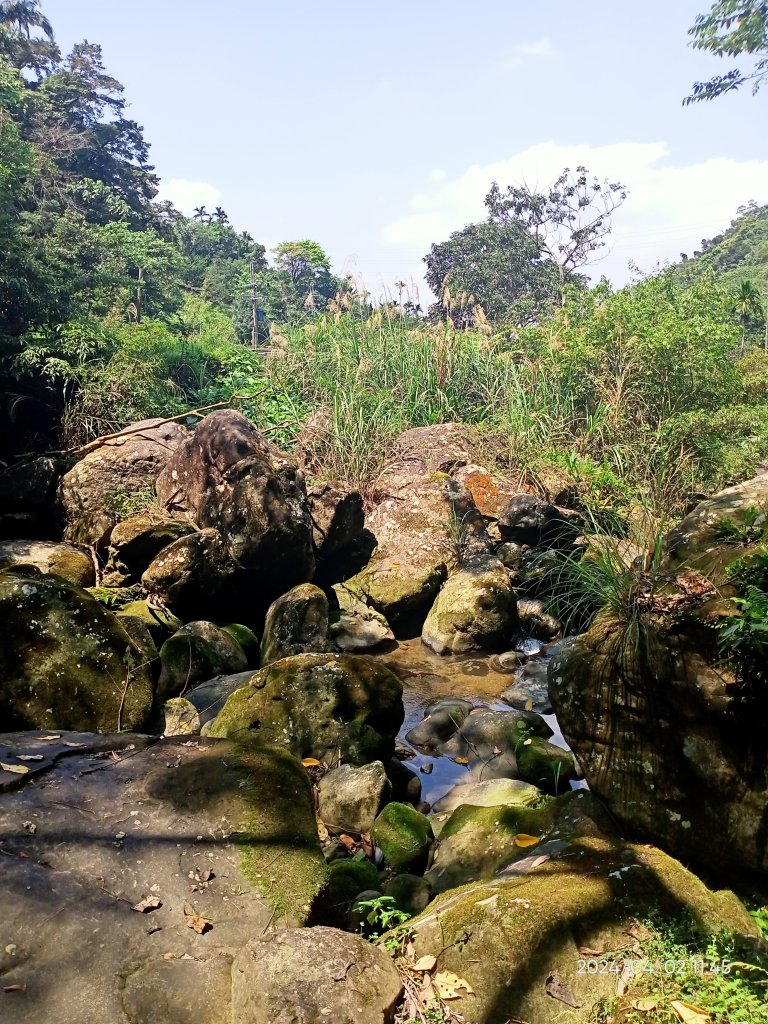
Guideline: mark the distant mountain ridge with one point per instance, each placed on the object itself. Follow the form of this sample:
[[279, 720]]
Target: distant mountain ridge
[[739, 254]]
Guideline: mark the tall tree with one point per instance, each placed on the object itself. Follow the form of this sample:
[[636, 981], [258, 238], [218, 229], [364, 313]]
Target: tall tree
[[732, 28], [569, 222]]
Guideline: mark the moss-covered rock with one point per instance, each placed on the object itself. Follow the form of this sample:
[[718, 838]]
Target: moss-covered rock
[[192, 713], [159, 621], [506, 938], [318, 705], [405, 837], [545, 765], [136, 541], [296, 623], [346, 880], [411, 893], [475, 610], [247, 639], [66, 662], [195, 653], [68, 561], [476, 843]]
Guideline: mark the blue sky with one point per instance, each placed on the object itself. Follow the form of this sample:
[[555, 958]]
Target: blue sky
[[377, 129]]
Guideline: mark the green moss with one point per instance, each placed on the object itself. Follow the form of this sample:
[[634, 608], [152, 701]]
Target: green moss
[[279, 850], [346, 880], [405, 837], [549, 767], [246, 638]]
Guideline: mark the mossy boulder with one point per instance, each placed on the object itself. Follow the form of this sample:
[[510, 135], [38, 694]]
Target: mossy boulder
[[247, 639], [296, 623], [477, 843], [320, 705], [492, 793], [350, 797], [192, 713], [411, 893], [545, 765], [355, 626], [507, 938], [195, 653], [475, 610], [404, 836], [160, 622], [68, 561], [136, 541], [346, 880], [66, 662]]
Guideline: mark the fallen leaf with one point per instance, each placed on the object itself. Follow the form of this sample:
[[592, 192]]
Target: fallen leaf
[[524, 841], [639, 931], [447, 985], [461, 760], [311, 762], [529, 704], [15, 988], [690, 1014], [348, 841], [17, 769], [588, 951], [527, 743], [198, 924], [554, 987], [68, 743], [148, 904], [29, 757], [645, 1005], [169, 956], [424, 963], [52, 737]]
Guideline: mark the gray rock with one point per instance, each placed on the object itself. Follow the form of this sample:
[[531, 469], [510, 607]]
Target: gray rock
[[528, 519], [195, 653], [190, 714], [411, 893], [440, 722], [307, 975], [357, 626], [66, 560], [474, 611], [535, 620], [493, 793], [530, 685], [351, 798], [296, 623], [337, 518]]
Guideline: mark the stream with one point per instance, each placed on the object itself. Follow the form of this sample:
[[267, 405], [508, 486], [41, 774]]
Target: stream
[[428, 677]]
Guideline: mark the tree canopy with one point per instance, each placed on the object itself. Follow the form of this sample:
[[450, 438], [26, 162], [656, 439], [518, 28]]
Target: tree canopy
[[732, 28]]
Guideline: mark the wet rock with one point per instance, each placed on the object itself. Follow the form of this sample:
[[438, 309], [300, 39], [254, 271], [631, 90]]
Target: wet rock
[[546, 765], [474, 611], [228, 478], [195, 653], [528, 519], [350, 798], [481, 842], [296, 623], [441, 721], [116, 480], [319, 705], [536, 621], [356, 626], [68, 561], [65, 660], [189, 715], [530, 689], [120, 819], [134, 543], [404, 836], [484, 734], [406, 784], [505, 938], [312, 974]]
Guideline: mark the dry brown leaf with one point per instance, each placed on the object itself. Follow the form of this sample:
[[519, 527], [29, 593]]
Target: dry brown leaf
[[447, 985], [69, 743], [461, 760], [311, 762], [639, 931], [348, 841], [424, 963], [17, 769], [523, 840], [556, 988], [645, 1005], [588, 951], [198, 924], [57, 736], [169, 956], [148, 904], [690, 1014]]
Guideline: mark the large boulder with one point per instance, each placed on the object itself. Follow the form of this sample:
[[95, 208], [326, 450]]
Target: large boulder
[[425, 522], [319, 705], [189, 714], [136, 870], [135, 542], [68, 561], [528, 519], [116, 479], [355, 626], [475, 610], [195, 653], [189, 573], [228, 479], [337, 518], [667, 736], [350, 798], [518, 941], [307, 975], [296, 623], [66, 662]]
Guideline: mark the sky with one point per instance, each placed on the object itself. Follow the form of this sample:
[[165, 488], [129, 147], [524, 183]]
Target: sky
[[377, 129]]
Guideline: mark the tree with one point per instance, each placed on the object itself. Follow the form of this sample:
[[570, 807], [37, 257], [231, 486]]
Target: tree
[[21, 16], [732, 28], [307, 270], [749, 309], [569, 222], [499, 266]]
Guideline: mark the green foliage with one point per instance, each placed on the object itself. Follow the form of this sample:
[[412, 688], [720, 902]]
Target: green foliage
[[732, 28], [743, 641], [380, 915], [747, 532], [749, 570]]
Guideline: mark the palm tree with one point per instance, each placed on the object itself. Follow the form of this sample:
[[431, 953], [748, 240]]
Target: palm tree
[[220, 216], [201, 214], [748, 307], [21, 16]]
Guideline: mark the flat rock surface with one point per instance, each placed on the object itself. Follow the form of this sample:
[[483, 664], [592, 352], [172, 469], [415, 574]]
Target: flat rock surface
[[96, 826]]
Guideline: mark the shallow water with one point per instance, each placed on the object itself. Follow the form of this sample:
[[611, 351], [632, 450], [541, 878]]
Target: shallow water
[[428, 677]]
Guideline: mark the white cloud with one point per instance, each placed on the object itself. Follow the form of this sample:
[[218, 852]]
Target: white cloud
[[541, 49], [186, 195], [669, 210]]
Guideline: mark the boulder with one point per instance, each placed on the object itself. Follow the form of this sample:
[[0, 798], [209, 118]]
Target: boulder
[[546, 765], [404, 836], [296, 623], [116, 479], [411, 893], [667, 736], [530, 688], [481, 842], [350, 798], [517, 942], [134, 543], [356, 626], [190, 714], [226, 477], [136, 870], [159, 621], [493, 793], [320, 705], [346, 880], [536, 621], [528, 519], [475, 610], [65, 660], [246, 638], [195, 653], [697, 542], [29, 505], [441, 720], [337, 518], [307, 975], [68, 561], [189, 574]]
